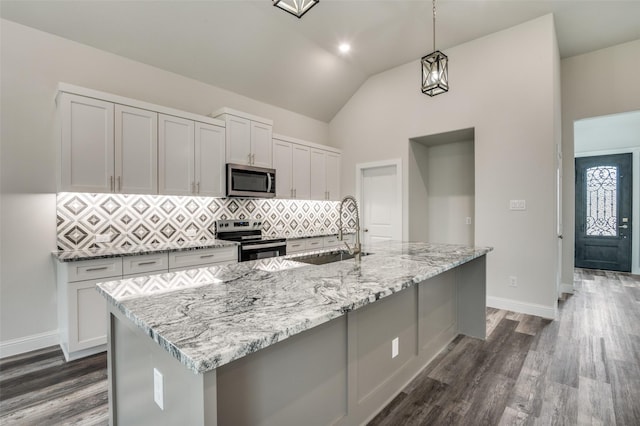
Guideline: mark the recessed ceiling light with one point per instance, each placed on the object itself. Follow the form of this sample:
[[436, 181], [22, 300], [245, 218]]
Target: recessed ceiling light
[[344, 47]]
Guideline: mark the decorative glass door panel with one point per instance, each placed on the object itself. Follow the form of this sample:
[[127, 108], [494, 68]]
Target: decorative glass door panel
[[603, 212]]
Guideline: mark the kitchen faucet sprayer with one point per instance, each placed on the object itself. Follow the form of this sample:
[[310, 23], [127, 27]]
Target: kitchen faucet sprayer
[[357, 248]]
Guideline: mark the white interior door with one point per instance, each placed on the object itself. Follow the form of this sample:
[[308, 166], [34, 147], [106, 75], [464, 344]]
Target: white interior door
[[381, 202]]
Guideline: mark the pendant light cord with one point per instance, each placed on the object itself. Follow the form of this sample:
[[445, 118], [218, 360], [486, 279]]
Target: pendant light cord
[[434, 25]]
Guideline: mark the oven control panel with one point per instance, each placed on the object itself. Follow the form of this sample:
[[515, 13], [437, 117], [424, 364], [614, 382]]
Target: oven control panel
[[234, 225]]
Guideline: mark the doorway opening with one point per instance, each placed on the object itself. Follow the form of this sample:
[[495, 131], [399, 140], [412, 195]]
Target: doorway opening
[[442, 187], [607, 192]]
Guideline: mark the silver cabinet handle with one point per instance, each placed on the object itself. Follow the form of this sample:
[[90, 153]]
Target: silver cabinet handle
[[102, 268], [110, 183], [119, 183], [153, 262], [253, 159], [249, 159], [204, 256], [366, 230], [198, 188], [291, 192], [295, 193], [623, 226]]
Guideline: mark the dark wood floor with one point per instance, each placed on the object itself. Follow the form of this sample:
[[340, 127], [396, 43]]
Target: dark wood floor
[[582, 369]]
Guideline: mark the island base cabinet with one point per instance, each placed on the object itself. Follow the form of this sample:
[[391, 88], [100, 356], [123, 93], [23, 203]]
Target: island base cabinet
[[342, 372]]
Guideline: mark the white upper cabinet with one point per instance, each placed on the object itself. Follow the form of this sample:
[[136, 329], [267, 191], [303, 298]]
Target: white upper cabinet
[[318, 190], [261, 135], [238, 140], [136, 149], [304, 170], [114, 144], [300, 175], [209, 160], [325, 175], [87, 151], [248, 138], [332, 163], [282, 163], [176, 153]]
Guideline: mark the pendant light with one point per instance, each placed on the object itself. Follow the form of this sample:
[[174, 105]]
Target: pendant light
[[435, 67], [295, 7]]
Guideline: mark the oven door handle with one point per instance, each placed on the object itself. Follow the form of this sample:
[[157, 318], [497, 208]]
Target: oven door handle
[[269, 184], [261, 246]]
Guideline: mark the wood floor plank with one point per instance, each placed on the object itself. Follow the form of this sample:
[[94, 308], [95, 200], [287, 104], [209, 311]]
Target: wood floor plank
[[625, 377], [595, 403], [593, 359]]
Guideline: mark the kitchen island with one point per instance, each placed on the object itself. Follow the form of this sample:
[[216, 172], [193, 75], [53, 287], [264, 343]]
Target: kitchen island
[[280, 342]]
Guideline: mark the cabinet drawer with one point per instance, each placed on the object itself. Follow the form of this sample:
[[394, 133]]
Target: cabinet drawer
[[295, 246], [332, 241], [94, 269], [145, 263], [203, 257], [314, 243]]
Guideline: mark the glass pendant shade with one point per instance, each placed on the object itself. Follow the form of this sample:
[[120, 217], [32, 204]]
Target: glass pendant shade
[[435, 73], [295, 7]]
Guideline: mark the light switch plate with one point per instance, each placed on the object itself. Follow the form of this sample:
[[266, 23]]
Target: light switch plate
[[158, 388], [517, 205]]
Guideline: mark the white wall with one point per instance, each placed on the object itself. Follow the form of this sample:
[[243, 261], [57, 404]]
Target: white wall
[[512, 107], [33, 63], [450, 185], [594, 84]]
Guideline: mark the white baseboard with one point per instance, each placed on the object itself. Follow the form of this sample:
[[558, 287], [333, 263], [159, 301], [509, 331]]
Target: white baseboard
[[523, 308], [29, 343], [566, 288]]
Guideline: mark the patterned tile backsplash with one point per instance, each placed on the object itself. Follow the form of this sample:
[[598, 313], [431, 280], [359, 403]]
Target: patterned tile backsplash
[[152, 219]]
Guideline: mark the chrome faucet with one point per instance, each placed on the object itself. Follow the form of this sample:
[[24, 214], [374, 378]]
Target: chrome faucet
[[357, 248]]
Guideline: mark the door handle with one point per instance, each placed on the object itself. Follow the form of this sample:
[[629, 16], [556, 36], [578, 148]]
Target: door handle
[[366, 230], [623, 226]]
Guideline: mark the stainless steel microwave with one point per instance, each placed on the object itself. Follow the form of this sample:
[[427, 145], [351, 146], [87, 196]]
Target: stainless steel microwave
[[249, 181]]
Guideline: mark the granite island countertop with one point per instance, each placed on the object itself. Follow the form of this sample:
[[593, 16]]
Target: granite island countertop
[[211, 316]]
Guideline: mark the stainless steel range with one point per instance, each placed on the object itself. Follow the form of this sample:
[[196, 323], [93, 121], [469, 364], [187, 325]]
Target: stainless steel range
[[248, 232]]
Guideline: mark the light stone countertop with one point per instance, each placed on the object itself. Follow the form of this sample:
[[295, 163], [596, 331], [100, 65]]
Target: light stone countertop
[[211, 316], [106, 252]]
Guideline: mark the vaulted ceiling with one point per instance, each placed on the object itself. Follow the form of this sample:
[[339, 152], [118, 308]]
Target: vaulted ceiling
[[257, 50]]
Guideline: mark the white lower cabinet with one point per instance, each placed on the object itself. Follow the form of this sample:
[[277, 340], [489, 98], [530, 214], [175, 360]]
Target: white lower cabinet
[[82, 311], [316, 243]]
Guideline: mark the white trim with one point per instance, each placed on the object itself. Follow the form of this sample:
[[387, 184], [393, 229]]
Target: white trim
[[397, 162], [225, 110], [116, 99], [29, 343], [524, 308], [306, 143], [566, 288]]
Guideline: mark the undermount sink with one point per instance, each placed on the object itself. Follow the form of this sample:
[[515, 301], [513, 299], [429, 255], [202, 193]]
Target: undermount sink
[[323, 258]]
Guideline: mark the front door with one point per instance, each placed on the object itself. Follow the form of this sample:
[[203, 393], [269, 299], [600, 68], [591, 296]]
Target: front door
[[603, 212]]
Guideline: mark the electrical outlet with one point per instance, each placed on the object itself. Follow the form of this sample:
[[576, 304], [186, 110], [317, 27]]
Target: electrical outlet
[[158, 388], [513, 281], [190, 232], [103, 238], [468, 221], [394, 348]]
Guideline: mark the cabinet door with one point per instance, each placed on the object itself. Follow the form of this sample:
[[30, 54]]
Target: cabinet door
[[332, 161], [87, 316], [301, 178], [87, 151], [209, 160], [238, 136], [282, 155], [318, 170], [136, 147], [176, 156], [261, 144]]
